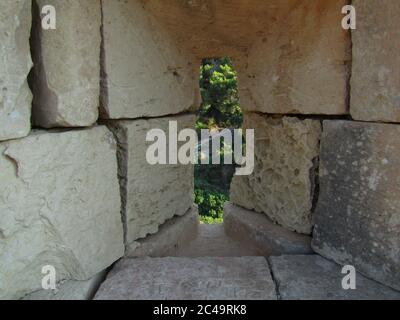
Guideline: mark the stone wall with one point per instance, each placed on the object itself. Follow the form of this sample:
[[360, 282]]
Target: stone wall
[[281, 186], [145, 73], [15, 96], [80, 194], [66, 71], [77, 197], [151, 194]]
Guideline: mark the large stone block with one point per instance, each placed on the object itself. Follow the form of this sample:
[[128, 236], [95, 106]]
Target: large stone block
[[282, 184], [258, 231], [375, 80], [60, 206], [151, 194], [66, 75], [301, 65], [205, 278], [15, 63], [145, 74], [172, 236], [357, 219], [71, 290], [312, 277]]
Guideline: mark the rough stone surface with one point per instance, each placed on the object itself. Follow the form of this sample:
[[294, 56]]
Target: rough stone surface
[[282, 185], [375, 80], [66, 76], [145, 73], [190, 279], [212, 241], [357, 219], [258, 231], [15, 63], [302, 64], [151, 194], [175, 233], [312, 277], [293, 57], [60, 206], [71, 290]]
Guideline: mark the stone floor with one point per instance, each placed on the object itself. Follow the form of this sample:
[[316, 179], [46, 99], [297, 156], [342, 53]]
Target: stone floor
[[214, 266], [204, 278], [213, 242]]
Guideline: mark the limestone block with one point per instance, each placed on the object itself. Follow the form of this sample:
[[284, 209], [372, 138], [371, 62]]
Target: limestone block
[[70, 290], [151, 194], [15, 63], [257, 230], [301, 65], [145, 74], [312, 277], [66, 76], [205, 278], [357, 219], [282, 184], [60, 206], [174, 234], [375, 80]]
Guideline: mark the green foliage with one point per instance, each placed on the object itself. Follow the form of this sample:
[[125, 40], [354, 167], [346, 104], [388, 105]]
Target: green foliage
[[219, 91], [211, 204], [220, 109]]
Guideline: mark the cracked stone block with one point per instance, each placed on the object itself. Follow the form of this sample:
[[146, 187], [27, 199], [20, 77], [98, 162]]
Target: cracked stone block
[[172, 235], [208, 278], [283, 182], [70, 290], [151, 194], [145, 73], [301, 67], [15, 63], [312, 277], [357, 219], [257, 230], [60, 206], [375, 79], [66, 75]]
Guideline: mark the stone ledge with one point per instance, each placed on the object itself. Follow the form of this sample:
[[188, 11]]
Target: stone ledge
[[256, 229], [71, 290], [205, 278], [173, 234], [311, 277]]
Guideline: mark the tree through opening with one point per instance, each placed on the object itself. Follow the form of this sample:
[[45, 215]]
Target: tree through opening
[[219, 110]]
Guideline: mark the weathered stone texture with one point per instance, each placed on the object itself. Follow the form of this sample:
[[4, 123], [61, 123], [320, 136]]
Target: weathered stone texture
[[145, 73], [151, 194], [282, 185], [301, 66], [66, 77], [70, 290], [212, 241], [245, 278], [172, 235], [312, 277], [15, 63], [60, 206], [257, 230], [357, 219], [375, 80]]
